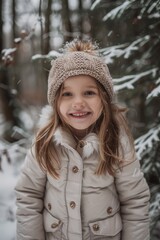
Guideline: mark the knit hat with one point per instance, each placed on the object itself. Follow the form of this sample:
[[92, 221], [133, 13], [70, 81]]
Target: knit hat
[[78, 63]]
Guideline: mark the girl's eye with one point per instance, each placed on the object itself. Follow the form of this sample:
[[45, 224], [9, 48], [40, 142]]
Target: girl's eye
[[90, 93], [66, 94]]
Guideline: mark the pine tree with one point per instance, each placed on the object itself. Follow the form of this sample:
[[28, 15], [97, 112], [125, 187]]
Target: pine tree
[[133, 34]]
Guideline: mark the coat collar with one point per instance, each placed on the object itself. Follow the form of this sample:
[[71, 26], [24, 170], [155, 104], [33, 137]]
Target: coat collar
[[64, 138]]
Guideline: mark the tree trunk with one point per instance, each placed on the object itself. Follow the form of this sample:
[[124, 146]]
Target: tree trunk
[[66, 21], [14, 19], [1, 26], [80, 19], [48, 13]]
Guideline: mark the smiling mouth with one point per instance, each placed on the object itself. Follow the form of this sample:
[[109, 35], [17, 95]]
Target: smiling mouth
[[80, 115]]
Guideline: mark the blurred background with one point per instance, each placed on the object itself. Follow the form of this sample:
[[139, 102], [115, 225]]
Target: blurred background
[[32, 33]]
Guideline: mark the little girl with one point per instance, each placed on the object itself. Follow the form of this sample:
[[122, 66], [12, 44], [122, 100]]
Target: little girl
[[81, 179]]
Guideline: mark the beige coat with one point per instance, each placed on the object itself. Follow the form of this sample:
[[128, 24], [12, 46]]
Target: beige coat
[[81, 205]]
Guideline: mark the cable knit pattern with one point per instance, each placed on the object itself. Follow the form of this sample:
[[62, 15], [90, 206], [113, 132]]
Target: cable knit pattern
[[77, 63]]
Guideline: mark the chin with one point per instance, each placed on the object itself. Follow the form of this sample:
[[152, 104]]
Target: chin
[[80, 128]]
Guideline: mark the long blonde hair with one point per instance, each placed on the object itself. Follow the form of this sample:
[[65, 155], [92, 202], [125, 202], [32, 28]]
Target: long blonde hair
[[108, 127], [111, 127]]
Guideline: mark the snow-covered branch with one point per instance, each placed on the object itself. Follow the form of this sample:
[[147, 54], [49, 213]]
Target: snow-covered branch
[[113, 52], [7, 54], [118, 11], [93, 6], [127, 82], [135, 45], [123, 50], [155, 92], [146, 141], [155, 206], [146, 6], [51, 55], [149, 6]]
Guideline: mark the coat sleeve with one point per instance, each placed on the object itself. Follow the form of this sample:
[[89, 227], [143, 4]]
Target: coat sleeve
[[30, 190], [134, 198]]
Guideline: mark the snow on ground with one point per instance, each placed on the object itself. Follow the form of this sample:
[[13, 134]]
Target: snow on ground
[[12, 157]]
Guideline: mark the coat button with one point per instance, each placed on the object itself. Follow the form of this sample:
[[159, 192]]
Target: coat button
[[72, 204], [55, 225], [95, 227], [49, 206], [75, 169], [109, 210], [82, 143]]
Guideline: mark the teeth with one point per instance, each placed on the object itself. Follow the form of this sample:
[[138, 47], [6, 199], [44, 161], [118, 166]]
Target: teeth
[[78, 114]]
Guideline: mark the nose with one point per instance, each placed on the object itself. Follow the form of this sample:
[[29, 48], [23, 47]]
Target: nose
[[78, 103]]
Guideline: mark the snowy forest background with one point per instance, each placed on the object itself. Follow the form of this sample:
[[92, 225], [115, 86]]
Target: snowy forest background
[[31, 33]]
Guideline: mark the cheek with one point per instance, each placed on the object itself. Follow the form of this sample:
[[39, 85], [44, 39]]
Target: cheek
[[97, 108]]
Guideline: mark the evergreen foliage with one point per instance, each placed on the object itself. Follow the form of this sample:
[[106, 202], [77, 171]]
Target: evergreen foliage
[[134, 61]]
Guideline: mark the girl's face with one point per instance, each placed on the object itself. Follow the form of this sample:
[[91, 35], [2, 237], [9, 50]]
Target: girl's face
[[79, 102]]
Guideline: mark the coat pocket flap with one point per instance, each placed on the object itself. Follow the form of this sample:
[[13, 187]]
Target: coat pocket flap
[[51, 224], [107, 227]]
